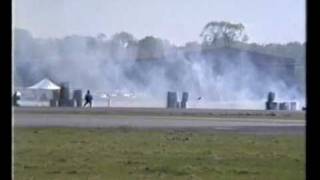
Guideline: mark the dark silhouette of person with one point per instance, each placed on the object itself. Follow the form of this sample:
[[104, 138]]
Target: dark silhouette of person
[[88, 99]]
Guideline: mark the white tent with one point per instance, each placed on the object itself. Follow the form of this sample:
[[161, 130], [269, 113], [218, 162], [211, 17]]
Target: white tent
[[42, 88], [45, 84]]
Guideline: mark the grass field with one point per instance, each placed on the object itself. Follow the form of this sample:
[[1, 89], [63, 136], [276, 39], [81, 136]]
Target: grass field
[[71, 153]]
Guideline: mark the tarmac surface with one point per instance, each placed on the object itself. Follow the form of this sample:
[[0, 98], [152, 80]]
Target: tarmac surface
[[240, 121]]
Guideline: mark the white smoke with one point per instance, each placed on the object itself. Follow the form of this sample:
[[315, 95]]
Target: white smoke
[[99, 67]]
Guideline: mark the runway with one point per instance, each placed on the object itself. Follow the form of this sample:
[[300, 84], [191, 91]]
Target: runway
[[242, 121]]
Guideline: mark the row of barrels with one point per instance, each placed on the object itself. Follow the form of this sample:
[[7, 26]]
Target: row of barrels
[[62, 98], [172, 100], [272, 105]]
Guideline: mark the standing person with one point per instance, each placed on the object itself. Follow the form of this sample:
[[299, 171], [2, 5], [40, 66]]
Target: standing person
[[88, 98]]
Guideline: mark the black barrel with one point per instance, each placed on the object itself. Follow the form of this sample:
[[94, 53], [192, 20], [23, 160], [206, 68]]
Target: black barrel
[[64, 94], [16, 98], [172, 100], [77, 96], [65, 91], [271, 105], [283, 106], [271, 96], [184, 100], [185, 97]]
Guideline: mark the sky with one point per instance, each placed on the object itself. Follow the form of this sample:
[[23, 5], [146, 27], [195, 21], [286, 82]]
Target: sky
[[179, 21]]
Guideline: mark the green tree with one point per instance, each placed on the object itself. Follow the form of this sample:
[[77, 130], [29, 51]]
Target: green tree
[[222, 33], [123, 39], [150, 48], [122, 45]]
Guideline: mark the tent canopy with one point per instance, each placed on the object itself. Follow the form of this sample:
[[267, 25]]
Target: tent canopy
[[45, 84]]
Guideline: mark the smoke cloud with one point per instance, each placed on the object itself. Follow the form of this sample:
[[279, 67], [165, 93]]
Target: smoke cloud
[[108, 65]]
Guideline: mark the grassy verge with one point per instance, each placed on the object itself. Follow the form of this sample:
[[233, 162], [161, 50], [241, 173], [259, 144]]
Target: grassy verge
[[71, 153]]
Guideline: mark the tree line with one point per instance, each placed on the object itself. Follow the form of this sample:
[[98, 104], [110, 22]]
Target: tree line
[[30, 52]]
